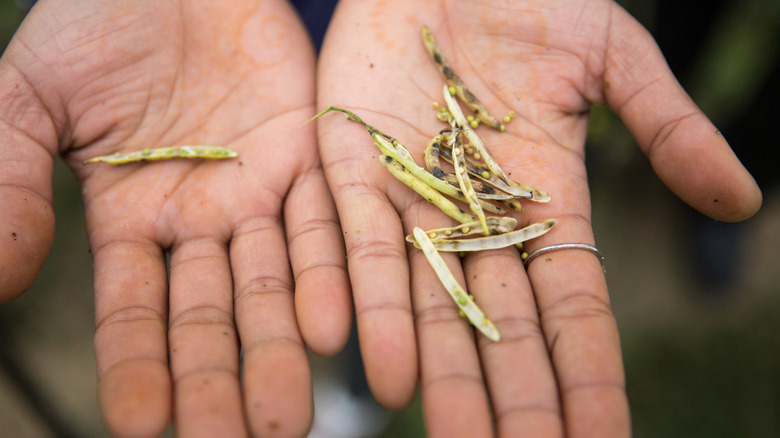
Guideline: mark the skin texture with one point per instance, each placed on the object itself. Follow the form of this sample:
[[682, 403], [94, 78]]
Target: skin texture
[[193, 259], [558, 369]]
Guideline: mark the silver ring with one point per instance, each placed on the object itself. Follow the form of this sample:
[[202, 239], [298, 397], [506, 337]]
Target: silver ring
[[527, 260]]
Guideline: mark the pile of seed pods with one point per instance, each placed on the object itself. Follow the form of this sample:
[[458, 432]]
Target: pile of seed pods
[[477, 180]]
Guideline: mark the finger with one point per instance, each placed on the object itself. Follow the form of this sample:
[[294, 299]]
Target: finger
[[203, 345], [322, 296], [276, 375], [580, 332], [26, 218], [377, 263], [376, 252], [455, 402], [380, 281], [518, 371], [131, 288], [686, 150]]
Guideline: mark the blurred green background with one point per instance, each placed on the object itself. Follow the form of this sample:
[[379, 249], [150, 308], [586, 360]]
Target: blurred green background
[[696, 301]]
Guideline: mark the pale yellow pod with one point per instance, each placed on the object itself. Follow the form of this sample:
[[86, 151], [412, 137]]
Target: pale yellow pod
[[401, 173], [493, 241], [458, 294], [464, 181], [497, 225], [391, 147], [502, 181], [454, 81], [167, 153]]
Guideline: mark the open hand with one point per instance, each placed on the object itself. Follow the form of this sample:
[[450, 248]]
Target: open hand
[[192, 258], [558, 368]]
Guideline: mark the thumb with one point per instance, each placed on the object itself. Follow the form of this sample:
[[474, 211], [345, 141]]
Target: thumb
[[26, 216], [685, 149]]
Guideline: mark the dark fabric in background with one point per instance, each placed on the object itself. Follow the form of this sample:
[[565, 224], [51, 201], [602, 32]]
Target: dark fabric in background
[[316, 16]]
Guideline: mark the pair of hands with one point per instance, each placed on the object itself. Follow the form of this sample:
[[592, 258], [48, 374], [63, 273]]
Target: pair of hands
[[89, 78]]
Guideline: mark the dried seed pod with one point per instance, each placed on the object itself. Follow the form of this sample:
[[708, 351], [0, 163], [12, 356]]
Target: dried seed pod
[[431, 195], [497, 225], [454, 83], [494, 241], [458, 294], [167, 153], [498, 177], [464, 181]]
